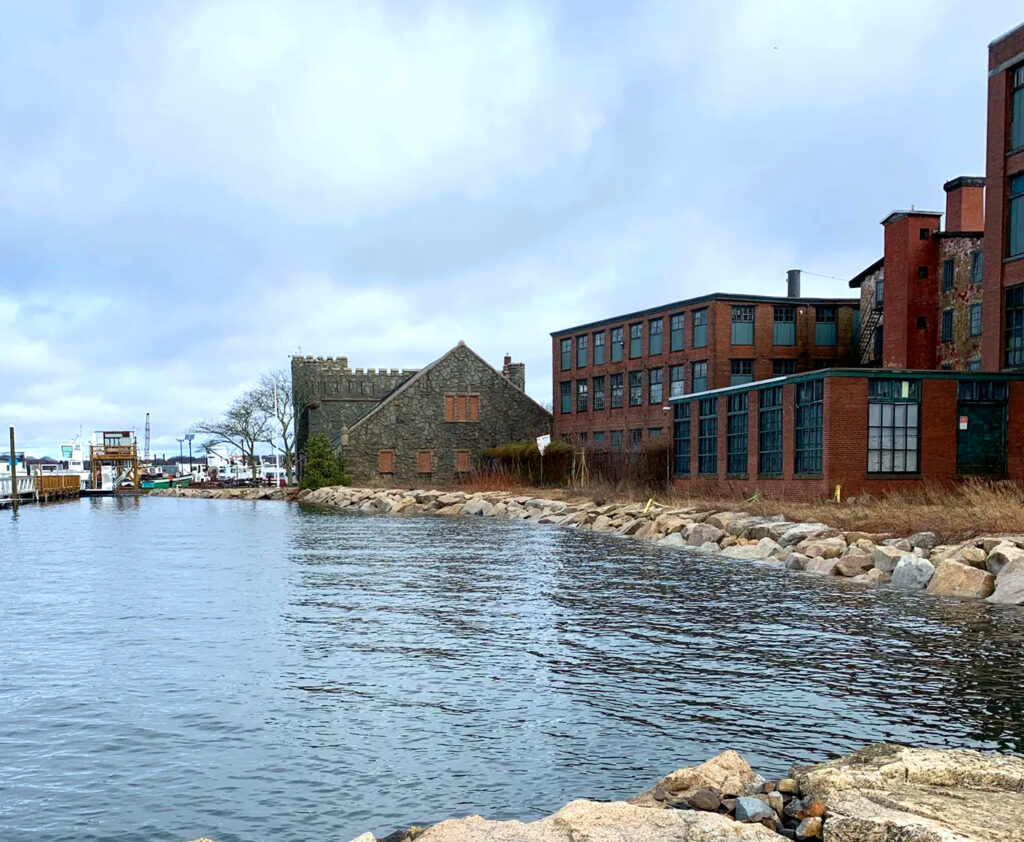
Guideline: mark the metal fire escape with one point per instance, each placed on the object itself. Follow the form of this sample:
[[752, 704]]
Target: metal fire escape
[[866, 341]]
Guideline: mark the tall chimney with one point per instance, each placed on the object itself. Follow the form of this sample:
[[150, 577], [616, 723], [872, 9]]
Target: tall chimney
[[965, 203], [516, 372], [793, 283]]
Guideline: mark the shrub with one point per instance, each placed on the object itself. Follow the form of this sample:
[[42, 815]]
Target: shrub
[[558, 463], [323, 464], [519, 460]]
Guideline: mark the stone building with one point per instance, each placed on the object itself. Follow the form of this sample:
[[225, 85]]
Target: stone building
[[414, 427]]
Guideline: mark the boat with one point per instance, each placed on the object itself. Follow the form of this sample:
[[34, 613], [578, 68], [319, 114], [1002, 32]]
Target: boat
[[167, 482]]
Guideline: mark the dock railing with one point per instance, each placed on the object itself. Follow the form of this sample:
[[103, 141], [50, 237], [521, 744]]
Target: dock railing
[[26, 489]]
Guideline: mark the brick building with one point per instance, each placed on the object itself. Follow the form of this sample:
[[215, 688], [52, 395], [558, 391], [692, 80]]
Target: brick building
[[425, 426], [613, 378]]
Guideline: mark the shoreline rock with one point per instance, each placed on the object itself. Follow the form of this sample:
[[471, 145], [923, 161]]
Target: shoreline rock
[[986, 567]]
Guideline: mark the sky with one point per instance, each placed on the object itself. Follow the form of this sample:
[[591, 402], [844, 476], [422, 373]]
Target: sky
[[191, 192]]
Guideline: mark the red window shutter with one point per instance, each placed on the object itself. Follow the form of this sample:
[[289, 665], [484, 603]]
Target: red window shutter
[[424, 462], [449, 407], [474, 407], [386, 461], [462, 464]]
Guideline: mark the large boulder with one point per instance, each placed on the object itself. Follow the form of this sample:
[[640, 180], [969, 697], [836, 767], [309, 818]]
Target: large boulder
[[477, 507], [723, 519], [796, 533], [886, 558], [728, 772], [1010, 584], [912, 573], [827, 566], [1001, 555], [773, 530], [701, 533], [832, 547], [955, 579], [592, 821], [889, 793], [854, 564]]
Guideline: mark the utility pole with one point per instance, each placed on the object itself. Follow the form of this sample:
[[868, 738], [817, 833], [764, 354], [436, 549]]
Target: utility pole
[[188, 438], [181, 455], [146, 455], [14, 473]]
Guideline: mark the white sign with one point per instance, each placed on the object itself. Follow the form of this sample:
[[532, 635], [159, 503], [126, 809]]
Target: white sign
[[963, 422], [542, 443]]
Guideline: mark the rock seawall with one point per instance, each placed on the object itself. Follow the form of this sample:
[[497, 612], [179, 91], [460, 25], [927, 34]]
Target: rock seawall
[[989, 567]]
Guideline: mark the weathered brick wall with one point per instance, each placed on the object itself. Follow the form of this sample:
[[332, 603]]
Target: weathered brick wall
[[414, 420], [964, 347]]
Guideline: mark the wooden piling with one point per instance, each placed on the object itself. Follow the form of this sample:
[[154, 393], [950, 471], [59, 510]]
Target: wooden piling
[[14, 473]]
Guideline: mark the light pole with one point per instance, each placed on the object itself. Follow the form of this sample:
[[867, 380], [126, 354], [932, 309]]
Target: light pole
[[181, 456], [188, 438], [668, 448]]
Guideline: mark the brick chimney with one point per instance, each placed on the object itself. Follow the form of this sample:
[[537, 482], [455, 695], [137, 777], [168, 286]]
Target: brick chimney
[[965, 203], [516, 372]]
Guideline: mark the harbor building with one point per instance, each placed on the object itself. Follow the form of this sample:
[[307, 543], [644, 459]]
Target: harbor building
[[414, 427]]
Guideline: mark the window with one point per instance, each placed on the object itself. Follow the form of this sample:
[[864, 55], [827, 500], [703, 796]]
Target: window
[[566, 394], [599, 438], [783, 368], [581, 350], [1015, 326], [700, 376], [463, 464], [975, 320], [461, 406], [655, 377], [784, 326], [879, 293], [740, 371], [809, 401], [681, 439], [386, 461], [599, 347], [947, 274], [1017, 108], [879, 339], [424, 462], [736, 433], [922, 322], [583, 439], [676, 325], [654, 340], [922, 271], [616, 344], [977, 265], [654, 432], [946, 367], [769, 431], [924, 233], [707, 436], [566, 354], [636, 340], [822, 362], [700, 327], [616, 391], [617, 441], [893, 424], [825, 326], [947, 326], [636, 388], [599, 392], [676, 381], [581, 395], [974, 365], [742, 325], [1016, 216], [981, 390], [636, 436]]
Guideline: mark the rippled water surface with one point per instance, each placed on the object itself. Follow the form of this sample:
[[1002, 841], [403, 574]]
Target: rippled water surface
[[248, 671]]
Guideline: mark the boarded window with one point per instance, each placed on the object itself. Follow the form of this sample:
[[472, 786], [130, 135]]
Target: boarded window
[[462, 462], [425, 462], [386, 461], [461, 407]]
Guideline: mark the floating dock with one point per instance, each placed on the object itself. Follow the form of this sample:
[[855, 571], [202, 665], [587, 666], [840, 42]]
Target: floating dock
[[40, 488]]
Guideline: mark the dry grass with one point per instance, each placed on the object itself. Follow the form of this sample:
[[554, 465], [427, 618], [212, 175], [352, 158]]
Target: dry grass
[[974, 508]]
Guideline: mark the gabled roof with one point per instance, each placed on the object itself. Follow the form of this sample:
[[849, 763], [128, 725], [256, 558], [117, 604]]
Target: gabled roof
[[858, 279], [407, 384]]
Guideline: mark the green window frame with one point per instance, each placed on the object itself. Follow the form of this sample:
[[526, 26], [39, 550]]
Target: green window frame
[[1015, 217], [825, 325], [677, 381], [566, 396], [1014, 348], [700, 376], [707, 437], [808, 423], [616, 441], [677, 327], [636, 340], [566, 354], [636, 438], [974, 365], [1017, 108], [599, 392], [616, 344], [655, 378], [636, 388], [784, 326], [948, 272], [977, 266], [894, 423], [700, 328], [582, 395], [582, 343], [783, 368], [616, 387], [740, 372], [769, 431], [598, 347], [742, 324], [598, 437], [975, 320], [946, 334], [681, 439], [736, 433], [655, 328]]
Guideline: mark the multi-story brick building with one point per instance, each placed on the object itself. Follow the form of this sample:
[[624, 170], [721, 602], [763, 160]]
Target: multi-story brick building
[[613, 378], [406, 426]]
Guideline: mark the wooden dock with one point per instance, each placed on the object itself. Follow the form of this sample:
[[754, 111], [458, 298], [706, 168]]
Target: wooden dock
[[40, 488]]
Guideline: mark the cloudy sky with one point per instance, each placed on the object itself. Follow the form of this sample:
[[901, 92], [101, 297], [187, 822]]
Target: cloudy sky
[[190, 192]]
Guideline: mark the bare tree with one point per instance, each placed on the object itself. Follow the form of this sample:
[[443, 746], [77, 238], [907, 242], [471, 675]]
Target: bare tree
[[273, 393], [245, 425]]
